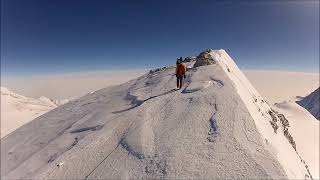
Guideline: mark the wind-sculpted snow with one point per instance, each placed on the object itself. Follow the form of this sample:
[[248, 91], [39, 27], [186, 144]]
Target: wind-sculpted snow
[[92, 128], [147, 129], [200, 85]]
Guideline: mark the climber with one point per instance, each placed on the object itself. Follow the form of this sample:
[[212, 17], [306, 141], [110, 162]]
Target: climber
[[180, 72]]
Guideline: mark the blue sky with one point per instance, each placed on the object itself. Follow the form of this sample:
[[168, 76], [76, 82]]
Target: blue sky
[[57, 36]]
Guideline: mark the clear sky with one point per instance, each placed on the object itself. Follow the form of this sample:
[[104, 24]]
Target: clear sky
[[56, 36]]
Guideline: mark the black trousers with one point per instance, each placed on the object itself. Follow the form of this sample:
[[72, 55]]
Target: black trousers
[[179, 81]]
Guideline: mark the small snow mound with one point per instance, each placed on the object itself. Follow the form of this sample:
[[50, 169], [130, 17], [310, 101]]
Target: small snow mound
[[4, 90], [197, 86], [200, 85], [47, 100], [53, 102], [61, 102]]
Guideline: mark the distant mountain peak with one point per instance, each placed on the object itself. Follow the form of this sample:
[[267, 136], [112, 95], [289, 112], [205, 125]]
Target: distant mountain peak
[[312, 103], [17, 109], [4, 90]]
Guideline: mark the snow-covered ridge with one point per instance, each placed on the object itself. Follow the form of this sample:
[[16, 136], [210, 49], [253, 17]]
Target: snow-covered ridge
[[17, 110], [305, 130], [312, 103], [53, 102], [262, 114], [43, 100], [216, 127]]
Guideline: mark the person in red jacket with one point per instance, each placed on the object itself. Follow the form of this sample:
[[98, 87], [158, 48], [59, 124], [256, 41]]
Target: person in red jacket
[[180, 73]]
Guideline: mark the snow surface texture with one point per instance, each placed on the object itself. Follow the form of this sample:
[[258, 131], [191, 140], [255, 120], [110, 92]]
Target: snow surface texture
[[217, 126], [17, 110], [312, 103], [305, 130]]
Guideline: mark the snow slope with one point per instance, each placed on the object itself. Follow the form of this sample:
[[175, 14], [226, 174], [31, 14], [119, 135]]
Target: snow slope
[[217, 126], [17, 110], [312, 103], [305, 130]]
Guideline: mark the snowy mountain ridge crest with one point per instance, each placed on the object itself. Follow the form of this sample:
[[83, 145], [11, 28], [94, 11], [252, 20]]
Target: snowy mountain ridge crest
[[216, 126], [312, 103], [54, 103]]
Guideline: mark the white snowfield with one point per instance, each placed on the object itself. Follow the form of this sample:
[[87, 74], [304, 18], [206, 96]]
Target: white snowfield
[[305, 130], [17, 110], [217, 126]]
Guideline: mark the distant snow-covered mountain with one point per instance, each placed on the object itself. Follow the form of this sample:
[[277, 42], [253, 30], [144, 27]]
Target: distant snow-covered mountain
[[17, 110], [312, 103]]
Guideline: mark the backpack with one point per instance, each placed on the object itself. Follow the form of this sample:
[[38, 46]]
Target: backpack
[[181, 69]]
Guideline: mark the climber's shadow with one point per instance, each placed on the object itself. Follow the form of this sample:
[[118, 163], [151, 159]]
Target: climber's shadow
[[137, 103]]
